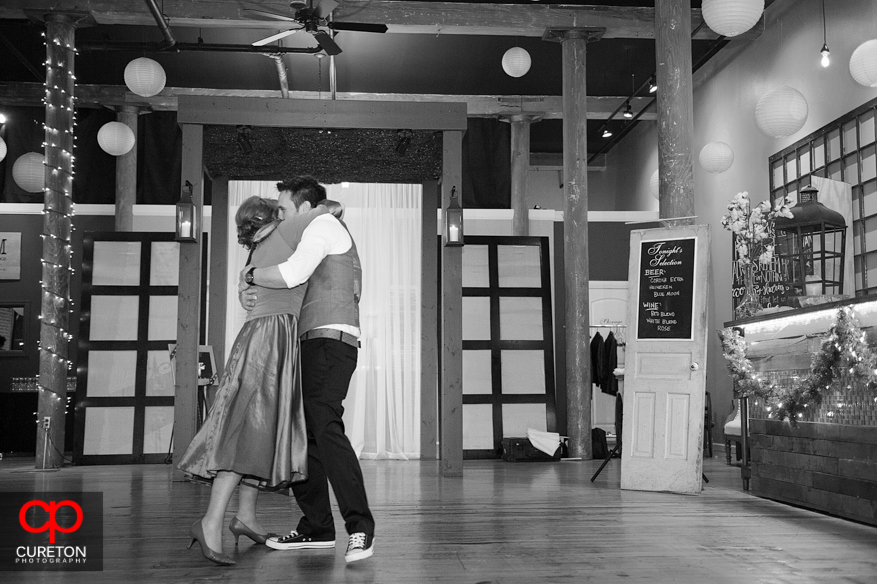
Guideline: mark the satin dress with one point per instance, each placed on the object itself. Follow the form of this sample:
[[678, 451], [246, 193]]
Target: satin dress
[[256, 426]]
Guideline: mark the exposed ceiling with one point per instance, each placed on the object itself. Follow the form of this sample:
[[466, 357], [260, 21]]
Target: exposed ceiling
[[412, 58]]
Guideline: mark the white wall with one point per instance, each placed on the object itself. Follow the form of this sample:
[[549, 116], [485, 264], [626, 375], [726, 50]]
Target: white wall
[[726, 92]]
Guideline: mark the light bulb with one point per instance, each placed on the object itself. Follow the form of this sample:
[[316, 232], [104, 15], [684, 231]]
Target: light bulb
[[825, 53]]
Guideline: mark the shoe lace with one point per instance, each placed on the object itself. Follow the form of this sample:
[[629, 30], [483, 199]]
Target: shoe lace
[[292, 535], [357, 540]]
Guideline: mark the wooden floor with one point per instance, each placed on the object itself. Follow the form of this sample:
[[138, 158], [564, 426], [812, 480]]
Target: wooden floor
[[502, 522]]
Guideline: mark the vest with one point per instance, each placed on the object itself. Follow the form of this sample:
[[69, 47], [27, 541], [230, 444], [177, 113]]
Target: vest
[[333, 291]]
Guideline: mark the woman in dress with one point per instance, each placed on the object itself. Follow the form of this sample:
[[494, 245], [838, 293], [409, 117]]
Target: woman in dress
[[255, 433]]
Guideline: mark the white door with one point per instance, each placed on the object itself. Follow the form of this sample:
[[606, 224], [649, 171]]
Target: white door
[[665, 372]]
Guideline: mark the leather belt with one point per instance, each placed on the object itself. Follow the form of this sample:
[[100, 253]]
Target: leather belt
[[327, 333]]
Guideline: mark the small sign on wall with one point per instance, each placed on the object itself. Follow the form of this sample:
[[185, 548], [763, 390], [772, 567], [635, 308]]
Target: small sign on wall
[[10, 256]]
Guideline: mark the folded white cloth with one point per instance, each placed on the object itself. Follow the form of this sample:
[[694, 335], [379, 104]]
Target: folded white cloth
[[619, 373], [547, 442]]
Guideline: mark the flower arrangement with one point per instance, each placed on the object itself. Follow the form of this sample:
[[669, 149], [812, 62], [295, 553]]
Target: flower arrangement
[[844, 356], [753, 227]]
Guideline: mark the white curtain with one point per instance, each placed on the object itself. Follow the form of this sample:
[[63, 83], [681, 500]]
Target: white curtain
[[382, 410]]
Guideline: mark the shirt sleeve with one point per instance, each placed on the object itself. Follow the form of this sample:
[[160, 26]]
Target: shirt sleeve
[[324, 236]]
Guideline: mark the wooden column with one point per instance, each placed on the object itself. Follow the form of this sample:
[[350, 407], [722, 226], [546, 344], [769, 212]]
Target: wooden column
[[451, 437], [675, 109], [189, 304], [521, 171], [57, 227], [220, 295], [575, 235], [429, 341], [126, 173]]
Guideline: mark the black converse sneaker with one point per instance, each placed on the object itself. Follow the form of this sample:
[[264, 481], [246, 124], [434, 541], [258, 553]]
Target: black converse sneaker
[[297, 541], [359, 547]]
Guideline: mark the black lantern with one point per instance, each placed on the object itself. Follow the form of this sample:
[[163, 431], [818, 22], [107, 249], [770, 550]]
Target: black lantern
[[188, 225], [810, 247], [454, 222]]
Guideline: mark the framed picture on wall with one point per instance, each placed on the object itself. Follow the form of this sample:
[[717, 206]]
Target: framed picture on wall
[[13, 328], [10, 255]]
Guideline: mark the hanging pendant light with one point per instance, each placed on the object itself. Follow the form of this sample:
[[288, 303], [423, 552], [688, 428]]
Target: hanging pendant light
[[516, 62], [716, 157], [863, 64], [825, 61], [731, 17], [781, 112], [655, 184], [115, 138], [29, 172], [145, 77], [607, 133]]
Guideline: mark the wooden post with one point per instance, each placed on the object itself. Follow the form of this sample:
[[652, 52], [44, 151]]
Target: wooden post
[[521, 171], [575, 235], [57, 226], [126, 174], [675, 109], [188, 305], [429, 357], [451, 440], [220, 295]]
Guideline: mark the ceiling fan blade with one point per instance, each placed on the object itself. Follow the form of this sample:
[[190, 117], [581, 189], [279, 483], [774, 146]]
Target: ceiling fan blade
[[275, 37], [322, 8], [326, 42], [358, 26], [270, 15]]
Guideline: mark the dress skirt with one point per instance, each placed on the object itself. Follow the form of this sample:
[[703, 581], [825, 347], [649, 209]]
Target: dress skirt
[[256, 426]]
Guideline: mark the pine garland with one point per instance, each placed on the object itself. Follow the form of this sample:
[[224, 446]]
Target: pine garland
[[844, 356]]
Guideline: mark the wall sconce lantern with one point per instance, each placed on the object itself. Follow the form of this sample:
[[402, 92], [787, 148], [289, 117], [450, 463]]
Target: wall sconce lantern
[[188, 225], [454, 222], [810, 247]]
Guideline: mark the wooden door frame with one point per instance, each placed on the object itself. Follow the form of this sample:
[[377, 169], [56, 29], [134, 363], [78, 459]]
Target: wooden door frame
[[194, 112]]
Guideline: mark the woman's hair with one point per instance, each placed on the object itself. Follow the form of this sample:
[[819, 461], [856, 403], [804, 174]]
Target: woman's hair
[[253, 214]]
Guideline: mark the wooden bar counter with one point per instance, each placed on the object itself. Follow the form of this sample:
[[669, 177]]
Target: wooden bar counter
[[828, 460]]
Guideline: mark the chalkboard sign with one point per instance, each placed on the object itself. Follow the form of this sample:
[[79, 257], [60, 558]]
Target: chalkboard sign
[[666, 289], [767, 280]]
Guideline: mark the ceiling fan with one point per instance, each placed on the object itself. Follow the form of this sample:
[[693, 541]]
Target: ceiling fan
[[314, 16]]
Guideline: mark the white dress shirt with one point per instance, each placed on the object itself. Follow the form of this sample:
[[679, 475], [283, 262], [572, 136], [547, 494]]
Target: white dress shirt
[[324, 236]]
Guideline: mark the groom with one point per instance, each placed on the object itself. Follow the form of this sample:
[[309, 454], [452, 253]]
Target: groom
[[327, 259]]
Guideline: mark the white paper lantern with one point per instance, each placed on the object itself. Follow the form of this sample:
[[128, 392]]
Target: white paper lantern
[[655, 184], [115, 138], [781, 112], [863, 64], [29, 172], [145, 77], [731, 17], [2, 149], [516, 62], [716, 157]]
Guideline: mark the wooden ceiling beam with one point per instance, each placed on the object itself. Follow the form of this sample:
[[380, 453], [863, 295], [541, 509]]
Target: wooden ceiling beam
[[546, 106], [528, 20]]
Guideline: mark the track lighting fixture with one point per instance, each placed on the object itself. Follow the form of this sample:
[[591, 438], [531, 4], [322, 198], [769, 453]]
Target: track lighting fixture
[[607, 133], [652, 86], [628, 112]]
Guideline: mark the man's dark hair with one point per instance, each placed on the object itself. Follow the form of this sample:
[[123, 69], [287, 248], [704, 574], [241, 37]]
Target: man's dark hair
[[303, 188]]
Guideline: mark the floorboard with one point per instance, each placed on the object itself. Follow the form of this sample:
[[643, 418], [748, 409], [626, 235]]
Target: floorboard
[[500, 523]]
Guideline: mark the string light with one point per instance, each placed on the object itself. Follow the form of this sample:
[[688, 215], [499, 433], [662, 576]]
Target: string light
[[57, 212]]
